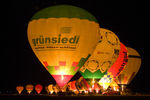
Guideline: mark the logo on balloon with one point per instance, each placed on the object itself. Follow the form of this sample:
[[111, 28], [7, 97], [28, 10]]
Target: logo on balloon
[[55, 42]]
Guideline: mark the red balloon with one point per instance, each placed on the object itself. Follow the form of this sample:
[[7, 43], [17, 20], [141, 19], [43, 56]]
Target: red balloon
[[38, 88]]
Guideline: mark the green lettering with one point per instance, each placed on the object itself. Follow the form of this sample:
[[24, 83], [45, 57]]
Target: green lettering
[[77, 39], [47, 40], [58, 39], [59, 36], [72, 40], [64, 40], [41, 40], [54, 40], [34, 42]]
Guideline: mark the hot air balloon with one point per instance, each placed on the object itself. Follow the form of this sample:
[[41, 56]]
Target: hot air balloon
[[105, 54], [97, 87], [19, 89], [50, 88], [82, 85], [29, 88], [38, 88], [72, 86], [116, 68], [59, 36], [56, 88], [131, 69]]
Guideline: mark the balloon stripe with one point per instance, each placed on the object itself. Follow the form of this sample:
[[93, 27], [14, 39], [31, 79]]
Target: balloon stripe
[[120, 63], [62, 11], [133, 56]]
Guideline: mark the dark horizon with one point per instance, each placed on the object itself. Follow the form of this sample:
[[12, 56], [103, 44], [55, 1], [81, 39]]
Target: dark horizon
[[20, 64]]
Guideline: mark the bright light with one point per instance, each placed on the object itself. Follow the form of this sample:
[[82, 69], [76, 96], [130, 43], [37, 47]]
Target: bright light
[[93, 81], [29, 91], [114, 88], [103, 82], [62, 77], [74, 90], [90, 89], [51, 92], [122, 87], [86, 91], [97, 90], [104, 87], [118, 90], [62, 73]]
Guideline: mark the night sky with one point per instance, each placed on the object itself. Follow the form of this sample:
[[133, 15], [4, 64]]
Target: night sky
[[19, 65]]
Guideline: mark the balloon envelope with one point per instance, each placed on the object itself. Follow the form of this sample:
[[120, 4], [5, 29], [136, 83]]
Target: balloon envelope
[[50, 88], [83, 85], [29, 88], [19, 89], [38, 88], [132, 67], [105, 54], [59, 36], [72, 86]]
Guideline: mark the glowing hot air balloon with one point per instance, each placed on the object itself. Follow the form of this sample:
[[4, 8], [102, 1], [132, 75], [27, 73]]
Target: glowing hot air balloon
[[29, 88], [72, 86], [50, 88], [116, 68], [59, 36], [56, 88], [38, 88], [19, 89], [82, 85], [131, 69], [105, 54]]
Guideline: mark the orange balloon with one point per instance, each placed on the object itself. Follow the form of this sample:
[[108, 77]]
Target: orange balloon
[[29, 88], [19, 89]]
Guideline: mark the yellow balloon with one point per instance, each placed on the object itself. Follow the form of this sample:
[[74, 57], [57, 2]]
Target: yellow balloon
[[131, 69], [63, 37]]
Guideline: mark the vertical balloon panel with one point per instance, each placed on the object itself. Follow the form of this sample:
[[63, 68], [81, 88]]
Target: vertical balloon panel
[[59, 36]]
